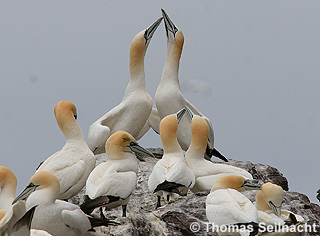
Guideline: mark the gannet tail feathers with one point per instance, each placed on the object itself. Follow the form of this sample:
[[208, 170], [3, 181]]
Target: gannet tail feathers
[[90, 204], [253, 227], [216, 153], [169, 187], [96, 222]]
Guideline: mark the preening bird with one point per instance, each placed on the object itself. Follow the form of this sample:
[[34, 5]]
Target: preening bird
[[112, 182], [169, 98], [170, 175], [227, 207], [132, 113], [74, 162]]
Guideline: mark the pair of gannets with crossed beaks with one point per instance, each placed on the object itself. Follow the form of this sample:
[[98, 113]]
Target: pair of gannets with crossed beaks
[[46, 212], [206, 172], [169, 98], [136, 103], [112, 182], [74, 162], [268, 203], [170, 176], [229, 209]]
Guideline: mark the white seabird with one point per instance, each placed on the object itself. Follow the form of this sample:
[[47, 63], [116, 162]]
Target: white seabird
[[171, 173], [132, 113], [268, 203], [74, 162], [112, 182], [226, 206], [8, 185], [206, 172], [169, 98], [54, 216]]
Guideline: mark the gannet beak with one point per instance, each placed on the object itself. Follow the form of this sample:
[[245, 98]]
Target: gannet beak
[[189, 113], [151, 29], [25, 193], [180, 114], [139, 151], [276, 209], [170, 27], [250, 186]]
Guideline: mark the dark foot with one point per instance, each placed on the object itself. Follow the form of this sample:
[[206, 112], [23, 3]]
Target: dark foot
[[102, 216], [158, 202]]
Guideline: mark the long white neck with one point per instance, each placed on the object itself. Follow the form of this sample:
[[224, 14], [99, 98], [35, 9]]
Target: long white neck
[[171, 66], [7, 195], [73, 133]]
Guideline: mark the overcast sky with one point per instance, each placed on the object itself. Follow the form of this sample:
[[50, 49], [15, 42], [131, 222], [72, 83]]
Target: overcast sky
[[256, 65]]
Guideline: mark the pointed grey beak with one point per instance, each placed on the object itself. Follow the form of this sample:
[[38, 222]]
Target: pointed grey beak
[[25, 193], [170, 27], [151, 29], [276, 209], [250, 186], [180, 114], [189, 113], [139, 151]]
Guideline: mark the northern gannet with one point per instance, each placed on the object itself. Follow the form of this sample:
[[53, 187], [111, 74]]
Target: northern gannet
[[54, 216], [169, 98], [132, 113], [226, 206], [268, 203], [171, 173], [74, 162], [111, 183], [8, 185], [206, 172]]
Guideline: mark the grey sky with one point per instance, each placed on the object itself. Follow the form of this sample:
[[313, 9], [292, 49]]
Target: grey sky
[[257, 64]]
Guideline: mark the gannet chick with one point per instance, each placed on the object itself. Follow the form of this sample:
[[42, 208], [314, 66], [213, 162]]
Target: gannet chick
[[171, 173], [8, 185], [169, 98], [268, 203], [54, 216], [226, 206], [132, 113], [206, 172], [112, 182], [74, 162]]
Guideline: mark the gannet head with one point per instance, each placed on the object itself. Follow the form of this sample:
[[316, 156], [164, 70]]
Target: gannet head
[[168, 131], [140, 44], [272, 195], [7, 178], [235, 182], [39, 181], [121, 142], [174, 34], [200, 132], [65, 113]]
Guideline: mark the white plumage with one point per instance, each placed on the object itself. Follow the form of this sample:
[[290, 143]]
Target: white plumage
[[111, 183], [225, 205], [171, 173], [74, 162], [169, 98], [132, 113], [206, 172]]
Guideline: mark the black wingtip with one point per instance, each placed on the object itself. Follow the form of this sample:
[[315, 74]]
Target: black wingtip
[[96, 222]]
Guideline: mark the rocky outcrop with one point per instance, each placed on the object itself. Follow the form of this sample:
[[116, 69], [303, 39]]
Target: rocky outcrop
[[186, 216]]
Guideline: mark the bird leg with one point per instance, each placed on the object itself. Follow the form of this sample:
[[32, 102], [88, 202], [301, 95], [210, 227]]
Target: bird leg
[[158, 202], [124, 210], [101, 213]]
